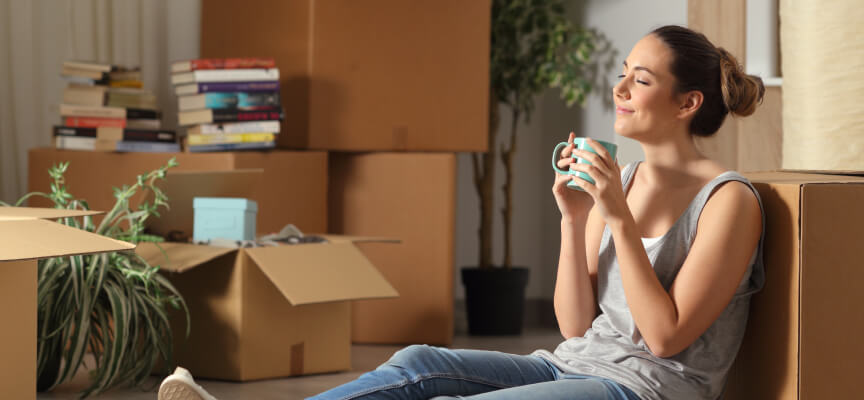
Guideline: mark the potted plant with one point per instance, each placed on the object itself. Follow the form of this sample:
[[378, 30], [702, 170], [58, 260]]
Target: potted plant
[[112, 304], [533, 47]]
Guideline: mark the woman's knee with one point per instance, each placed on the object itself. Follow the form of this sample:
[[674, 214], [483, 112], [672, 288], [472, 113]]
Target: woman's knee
[[414, 355]]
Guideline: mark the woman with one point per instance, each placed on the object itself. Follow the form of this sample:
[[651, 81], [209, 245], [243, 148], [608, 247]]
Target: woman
[[657, 263]]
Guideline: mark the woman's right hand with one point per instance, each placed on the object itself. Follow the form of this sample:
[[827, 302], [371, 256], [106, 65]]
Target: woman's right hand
[[573, 204]]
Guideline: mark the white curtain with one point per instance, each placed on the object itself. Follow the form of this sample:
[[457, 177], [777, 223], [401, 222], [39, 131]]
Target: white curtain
[[37, 36]]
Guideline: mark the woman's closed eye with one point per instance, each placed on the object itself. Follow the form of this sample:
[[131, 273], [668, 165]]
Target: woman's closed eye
[[637, 80]]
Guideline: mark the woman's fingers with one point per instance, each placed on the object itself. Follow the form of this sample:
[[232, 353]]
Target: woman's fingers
[[565, 162]]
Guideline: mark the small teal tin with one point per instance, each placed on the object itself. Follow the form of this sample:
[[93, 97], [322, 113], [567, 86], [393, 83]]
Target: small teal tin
[[224, 218]]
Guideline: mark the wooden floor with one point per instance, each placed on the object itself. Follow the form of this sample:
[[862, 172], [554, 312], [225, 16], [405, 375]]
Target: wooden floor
[[364, 358]]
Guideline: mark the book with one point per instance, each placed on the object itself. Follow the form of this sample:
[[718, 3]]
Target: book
[[131, 98], [235, 127], [141, 113], [231, 138], [84, 95], [131, 83], [125, 75], [90, 66], [92, 122], [226, 75], [73, 110], [83, 73], [81, 81], [94, 144], [231, 146], [143, 123], [208, 87], [209, 115], [118, 134], [222, 63], [238, 100]]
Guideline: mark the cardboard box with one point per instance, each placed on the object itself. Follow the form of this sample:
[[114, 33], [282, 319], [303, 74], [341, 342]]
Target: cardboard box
[[268, 312], [292, 190], [26, 235], [802, 338], [376, 75], [412, 197]]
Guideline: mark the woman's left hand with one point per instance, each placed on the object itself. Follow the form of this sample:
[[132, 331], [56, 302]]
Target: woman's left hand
[[607, 192]]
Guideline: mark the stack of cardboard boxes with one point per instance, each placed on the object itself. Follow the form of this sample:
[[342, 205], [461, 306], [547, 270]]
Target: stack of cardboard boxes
[[378, 98]]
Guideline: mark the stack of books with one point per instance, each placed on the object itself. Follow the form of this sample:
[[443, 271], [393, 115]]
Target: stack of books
[[106, 108], [228, 104]]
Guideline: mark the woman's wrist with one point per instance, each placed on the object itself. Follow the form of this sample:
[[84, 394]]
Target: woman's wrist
[[574, 220]]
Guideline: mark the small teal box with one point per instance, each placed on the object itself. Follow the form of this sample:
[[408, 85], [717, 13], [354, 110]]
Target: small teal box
[[224, 218]]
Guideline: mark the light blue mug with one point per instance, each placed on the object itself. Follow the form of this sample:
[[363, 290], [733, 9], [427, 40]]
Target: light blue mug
[[579, 143]]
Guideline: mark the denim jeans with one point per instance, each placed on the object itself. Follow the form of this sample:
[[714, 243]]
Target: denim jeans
[[423, 372]]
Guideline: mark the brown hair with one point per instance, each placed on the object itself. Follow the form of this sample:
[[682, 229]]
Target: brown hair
[[698, 65]]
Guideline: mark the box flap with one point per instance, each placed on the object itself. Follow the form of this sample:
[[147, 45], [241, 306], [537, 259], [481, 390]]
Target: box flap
[[18, 213], [37, 238], [799, 177], [359, 239], [179, 257], [321, 272]]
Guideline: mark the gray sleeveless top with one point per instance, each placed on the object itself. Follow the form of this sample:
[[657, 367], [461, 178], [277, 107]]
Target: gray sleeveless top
[[613, 347]]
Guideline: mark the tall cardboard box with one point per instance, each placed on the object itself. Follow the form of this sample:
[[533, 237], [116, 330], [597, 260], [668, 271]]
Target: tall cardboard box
[[26, 235], [293, 188], [374, 75], [411, 197], [267, 312], [803, 335]]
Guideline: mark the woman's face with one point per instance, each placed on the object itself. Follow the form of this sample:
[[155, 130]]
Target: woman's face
[[644, 97]]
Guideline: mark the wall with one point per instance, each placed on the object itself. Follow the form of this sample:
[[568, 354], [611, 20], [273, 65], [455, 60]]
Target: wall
[[536, 236]]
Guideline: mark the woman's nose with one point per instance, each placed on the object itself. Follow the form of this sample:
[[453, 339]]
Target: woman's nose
[[620, 90]]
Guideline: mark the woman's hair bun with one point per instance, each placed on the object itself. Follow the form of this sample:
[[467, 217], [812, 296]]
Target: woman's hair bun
[[741, 92]]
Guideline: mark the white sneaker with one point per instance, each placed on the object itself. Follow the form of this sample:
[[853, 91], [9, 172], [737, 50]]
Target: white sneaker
[[181, 386]]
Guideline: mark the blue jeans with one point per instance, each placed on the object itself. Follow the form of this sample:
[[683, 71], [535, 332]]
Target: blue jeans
[[423, 372]]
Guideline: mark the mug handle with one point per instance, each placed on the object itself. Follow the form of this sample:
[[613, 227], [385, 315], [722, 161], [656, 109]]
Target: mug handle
[[555, 157]]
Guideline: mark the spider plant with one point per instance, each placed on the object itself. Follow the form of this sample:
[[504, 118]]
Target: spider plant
[[112, 304]]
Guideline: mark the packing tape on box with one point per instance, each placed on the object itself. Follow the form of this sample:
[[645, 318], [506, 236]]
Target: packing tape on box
[[822, 45]]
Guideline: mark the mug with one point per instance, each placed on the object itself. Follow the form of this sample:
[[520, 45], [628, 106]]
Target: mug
[[579, 143]]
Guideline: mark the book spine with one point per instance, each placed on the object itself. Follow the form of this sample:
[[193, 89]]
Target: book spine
[[229, 115], [231, 138], [141, 113], [232, 146], [92, 122], [229, 63], [239, 127], [238, 87], [74, 131], [241, 100], [74, 143], [147, 147], [238, 75], [146, 135], [71, 110]]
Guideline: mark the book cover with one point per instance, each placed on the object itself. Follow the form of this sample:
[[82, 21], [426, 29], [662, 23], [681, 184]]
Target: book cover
[[235, 127], [222, 63], [93, 122], [118, 134], [231, 146], [208, 87], [73, 110], [226, 75], [147, 147], [231, 138], [130, 83], [238, 100], [209, 115], [90, 66], [82, 81]]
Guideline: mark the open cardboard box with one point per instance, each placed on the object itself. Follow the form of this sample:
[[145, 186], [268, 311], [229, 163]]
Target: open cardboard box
[[27, 235], [802, 338], [268, 312]]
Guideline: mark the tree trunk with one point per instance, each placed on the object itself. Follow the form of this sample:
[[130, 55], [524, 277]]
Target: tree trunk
[[507, 156], [484, 180]]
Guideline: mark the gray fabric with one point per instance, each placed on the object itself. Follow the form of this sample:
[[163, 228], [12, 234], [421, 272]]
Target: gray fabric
[[614, 348]]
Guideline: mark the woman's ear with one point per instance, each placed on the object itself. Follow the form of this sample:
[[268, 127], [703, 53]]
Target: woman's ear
[[690, 103]]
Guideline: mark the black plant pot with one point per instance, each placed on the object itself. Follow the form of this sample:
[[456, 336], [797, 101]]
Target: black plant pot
[[495, 299]]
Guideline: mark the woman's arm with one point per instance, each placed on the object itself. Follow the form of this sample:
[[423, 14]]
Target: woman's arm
[[728, 232], [576, 282]]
